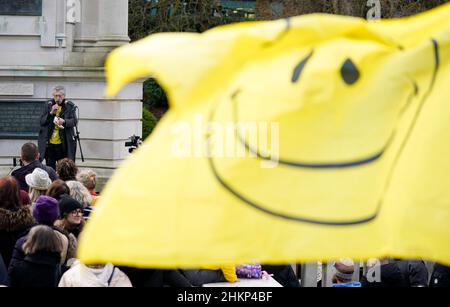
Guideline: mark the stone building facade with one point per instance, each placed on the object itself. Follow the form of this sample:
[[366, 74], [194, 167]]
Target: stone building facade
[[44, 43]]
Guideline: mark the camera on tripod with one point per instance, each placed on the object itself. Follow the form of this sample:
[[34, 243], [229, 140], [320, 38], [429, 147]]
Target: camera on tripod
[[135, 142]]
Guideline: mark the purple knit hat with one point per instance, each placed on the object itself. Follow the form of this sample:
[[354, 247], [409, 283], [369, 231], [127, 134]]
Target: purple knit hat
[[46, 210]]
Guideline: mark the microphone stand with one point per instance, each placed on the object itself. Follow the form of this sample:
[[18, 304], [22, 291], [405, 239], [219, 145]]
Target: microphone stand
[[77, 136]]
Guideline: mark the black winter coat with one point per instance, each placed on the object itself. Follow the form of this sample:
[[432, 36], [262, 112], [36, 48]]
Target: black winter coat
[[67, 134], [12, 226], [41, 269], [18, 254], [415, 272], [155, 277], [283, 274], [391, 277], [440, 278]]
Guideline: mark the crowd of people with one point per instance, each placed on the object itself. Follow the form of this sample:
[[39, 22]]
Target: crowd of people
[[390, 273], [43, 211]]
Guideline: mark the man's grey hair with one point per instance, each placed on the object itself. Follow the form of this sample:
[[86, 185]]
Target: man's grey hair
[[59, 89]]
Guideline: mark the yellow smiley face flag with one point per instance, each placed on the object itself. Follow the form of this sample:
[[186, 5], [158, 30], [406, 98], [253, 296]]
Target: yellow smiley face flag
[[305, 139]]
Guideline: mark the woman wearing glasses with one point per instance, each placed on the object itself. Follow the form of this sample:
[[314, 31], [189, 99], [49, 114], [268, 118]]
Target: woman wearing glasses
[[71, 215]]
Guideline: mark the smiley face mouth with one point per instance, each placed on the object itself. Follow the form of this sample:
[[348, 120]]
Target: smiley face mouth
[[305, 164], [325, 165]]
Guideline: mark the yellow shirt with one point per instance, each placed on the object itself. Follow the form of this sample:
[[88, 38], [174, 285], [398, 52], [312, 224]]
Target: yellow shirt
[[55, 138]]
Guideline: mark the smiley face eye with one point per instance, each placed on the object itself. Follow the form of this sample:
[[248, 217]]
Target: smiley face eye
[[299, 68], [349, 72]]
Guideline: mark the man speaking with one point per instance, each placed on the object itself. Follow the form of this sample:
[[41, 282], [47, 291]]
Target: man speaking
[[57, 139]]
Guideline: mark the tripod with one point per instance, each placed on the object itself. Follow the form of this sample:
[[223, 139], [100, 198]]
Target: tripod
[[77, 134]]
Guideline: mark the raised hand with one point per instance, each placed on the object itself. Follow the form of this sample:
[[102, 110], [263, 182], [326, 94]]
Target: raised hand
[[54, 109]]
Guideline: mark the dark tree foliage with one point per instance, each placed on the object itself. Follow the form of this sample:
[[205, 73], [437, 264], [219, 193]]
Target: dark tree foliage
[[151, 16]]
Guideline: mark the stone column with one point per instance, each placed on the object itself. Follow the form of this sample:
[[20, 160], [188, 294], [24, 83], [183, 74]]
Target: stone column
[[61, 37], [85, 35], [112, 23]]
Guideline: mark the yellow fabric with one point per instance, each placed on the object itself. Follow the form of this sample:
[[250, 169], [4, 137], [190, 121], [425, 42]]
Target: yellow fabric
[[94, 200], [55, 138], [364, 165], [229, 272]]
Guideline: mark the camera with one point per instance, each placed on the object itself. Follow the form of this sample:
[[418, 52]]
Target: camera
[[135, 142]]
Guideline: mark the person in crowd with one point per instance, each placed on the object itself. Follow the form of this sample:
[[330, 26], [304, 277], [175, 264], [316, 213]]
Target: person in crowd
[[198, 277], [66, 169], [38, 182], [384, 274], [155, 277], [171, 278], [29, 156], [79, 192], [108, 275], [57, 138], [46, 212], [42, 264], [415, 272], [4, 279], [344, 274], [71, 215], [14, 217], [57, 189], [89, 179], [440, 277], [25, 198], [283, 274]]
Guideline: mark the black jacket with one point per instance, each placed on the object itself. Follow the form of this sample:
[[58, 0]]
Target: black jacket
[[415, 272], [390, 277], [18, 254], [283, 274], [41, 269], [68, 113], [155, 277], [440, 278], [20, 173]]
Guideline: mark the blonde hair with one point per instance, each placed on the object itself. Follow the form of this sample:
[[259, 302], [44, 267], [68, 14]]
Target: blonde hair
[[79, 192], [35, 193], [42, 238], [87, 178]]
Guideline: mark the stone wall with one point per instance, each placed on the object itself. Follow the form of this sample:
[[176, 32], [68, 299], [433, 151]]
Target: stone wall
[[67, 46]]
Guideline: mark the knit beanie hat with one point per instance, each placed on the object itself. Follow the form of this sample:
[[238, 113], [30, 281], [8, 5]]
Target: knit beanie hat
[[67, 204], [46, 210]]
